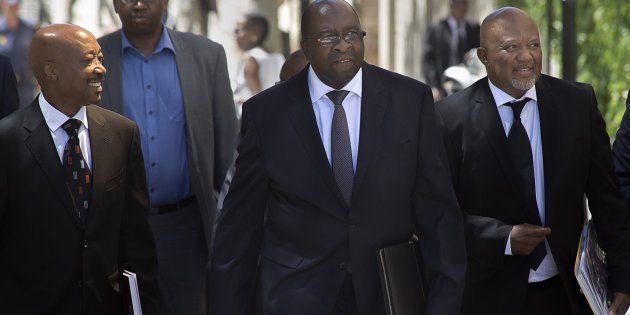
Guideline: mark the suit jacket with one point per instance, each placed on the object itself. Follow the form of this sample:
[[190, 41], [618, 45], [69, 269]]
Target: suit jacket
[[51, 262], [621, 152], [437, 49], [8, 88], [208, 105], [577, 162], [311, 238]]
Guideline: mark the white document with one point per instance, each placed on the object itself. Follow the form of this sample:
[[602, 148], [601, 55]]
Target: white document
[[133, 290]]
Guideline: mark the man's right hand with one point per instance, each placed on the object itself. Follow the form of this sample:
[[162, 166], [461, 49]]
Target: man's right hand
[[525, 237]]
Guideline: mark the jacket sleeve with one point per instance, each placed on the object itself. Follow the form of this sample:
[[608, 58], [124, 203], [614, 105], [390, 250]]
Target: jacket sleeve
[[238, 230], [438, 218], [8, 93]]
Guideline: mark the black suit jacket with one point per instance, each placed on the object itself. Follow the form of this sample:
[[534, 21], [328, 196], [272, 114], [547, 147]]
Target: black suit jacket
[[437, 49], [577, 162], [621, 152], [311, 238], [8, 88], [52, 263]]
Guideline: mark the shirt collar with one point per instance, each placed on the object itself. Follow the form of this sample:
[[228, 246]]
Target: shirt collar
[[500, 97], [164, 42], [318, 89], [54, 118]]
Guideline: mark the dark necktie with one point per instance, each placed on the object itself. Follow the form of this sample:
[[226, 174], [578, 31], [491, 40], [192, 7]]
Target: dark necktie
[[78, 174], [521, 151], [341, 151]]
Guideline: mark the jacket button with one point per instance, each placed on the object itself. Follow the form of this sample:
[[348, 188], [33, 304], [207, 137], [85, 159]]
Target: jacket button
[[85, 243], [343, 266]]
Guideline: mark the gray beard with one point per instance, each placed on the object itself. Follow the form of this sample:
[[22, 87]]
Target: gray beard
[[523, 85]]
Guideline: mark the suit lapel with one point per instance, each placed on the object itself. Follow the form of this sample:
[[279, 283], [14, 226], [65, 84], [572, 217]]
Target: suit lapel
[[40, 143], [549, 118], [489, 120], [112, 91], [302, 116], [373, 106], [101, 167]]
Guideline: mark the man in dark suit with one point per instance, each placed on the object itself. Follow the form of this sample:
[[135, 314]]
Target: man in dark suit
[[621, 152], [320, 185], [73, 195], [524, 149], [176, 87], [8, 88], [446, 44]]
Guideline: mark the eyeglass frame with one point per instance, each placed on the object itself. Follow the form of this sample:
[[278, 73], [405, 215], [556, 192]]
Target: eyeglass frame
[[360, 35]]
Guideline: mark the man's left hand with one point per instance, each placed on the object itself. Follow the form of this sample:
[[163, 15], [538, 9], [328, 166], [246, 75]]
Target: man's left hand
[[619, 304]]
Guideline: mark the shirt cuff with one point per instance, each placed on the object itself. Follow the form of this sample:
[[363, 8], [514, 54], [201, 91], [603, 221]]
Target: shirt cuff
[[508, 246]]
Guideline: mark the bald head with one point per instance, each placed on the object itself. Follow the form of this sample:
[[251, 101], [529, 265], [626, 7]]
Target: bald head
[[66, 60], [321, 7], [293, 65], [52, 43], [503, 18]]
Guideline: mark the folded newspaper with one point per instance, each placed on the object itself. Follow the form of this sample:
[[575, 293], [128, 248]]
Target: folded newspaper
[[590, 271], [132, 281]]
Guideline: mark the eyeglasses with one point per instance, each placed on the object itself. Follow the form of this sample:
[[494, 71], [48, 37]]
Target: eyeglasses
[[350, 37], [127, 2]]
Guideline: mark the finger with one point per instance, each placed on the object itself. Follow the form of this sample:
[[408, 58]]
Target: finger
[[616, 303]]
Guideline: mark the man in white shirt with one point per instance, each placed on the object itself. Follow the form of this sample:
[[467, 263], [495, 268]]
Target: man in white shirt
[[338, 161], [524, 149], [73, 194]]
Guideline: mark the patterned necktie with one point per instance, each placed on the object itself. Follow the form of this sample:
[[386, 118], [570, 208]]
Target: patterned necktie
[[521, 151], [78, 176], [340, 148]]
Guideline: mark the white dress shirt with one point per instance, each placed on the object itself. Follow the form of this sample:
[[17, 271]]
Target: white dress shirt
[[531, 121], [54, 119], [324, 109]]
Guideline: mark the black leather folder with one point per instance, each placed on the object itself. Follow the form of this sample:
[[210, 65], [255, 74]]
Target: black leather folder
[[401, 279]]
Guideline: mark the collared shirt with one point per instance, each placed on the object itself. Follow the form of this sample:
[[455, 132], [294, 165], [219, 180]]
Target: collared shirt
[[458, 30], [324, 109], [531, 121], [54, 119], [152, 97]]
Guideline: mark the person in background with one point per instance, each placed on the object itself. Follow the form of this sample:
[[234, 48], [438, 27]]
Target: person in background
[[525, 149], [15, 37], [293, 65], [621, 151], [176, 86], [446, 44], [258, 68], [8, 88], [338, 161], [73, 193]]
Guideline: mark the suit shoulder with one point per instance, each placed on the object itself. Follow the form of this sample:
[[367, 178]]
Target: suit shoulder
[[457, 104], [398, 82], [195, 40], [107, 39], [561, 86], [111, 117]]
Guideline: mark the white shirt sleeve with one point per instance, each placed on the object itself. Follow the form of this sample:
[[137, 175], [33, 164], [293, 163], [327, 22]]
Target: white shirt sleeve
[[508, 246]]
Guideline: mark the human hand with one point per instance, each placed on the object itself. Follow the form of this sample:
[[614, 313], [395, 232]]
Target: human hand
[[619, 304], [525, 237]]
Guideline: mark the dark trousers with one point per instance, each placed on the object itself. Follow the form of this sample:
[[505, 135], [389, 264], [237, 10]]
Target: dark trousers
[[547, 297], [182, 258], [346, 303]]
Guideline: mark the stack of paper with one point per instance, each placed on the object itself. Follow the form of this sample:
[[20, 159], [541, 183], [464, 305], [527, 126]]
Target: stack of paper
[[590, 271], [133, 290]]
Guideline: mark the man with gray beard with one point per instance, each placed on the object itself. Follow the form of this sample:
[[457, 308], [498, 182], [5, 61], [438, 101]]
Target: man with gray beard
[[524, 149]]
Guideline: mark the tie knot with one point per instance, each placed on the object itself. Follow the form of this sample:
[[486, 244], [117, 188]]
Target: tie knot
[[71, 126], [517, 107], [337, 96]]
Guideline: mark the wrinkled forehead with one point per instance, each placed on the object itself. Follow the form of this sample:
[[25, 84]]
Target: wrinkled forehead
[[512, 28]]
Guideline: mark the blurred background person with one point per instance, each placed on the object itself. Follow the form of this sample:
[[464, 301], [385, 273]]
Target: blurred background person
[[15, 36], [258, 69], [447, 43], [176, 87], [8, 90], [293, 65]]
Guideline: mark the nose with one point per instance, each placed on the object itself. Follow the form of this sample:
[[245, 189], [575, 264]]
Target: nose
[[524, 55], [100, 69], [342, 45]]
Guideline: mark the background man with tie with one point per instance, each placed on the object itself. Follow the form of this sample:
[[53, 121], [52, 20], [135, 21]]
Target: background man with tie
[[340, 160], [524, 149], [73, 195], [446, 44]]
